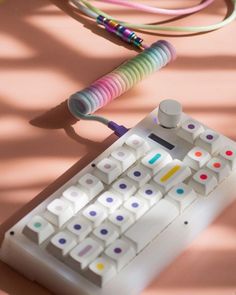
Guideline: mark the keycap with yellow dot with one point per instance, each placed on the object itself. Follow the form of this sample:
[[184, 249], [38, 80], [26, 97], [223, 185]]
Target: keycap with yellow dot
[[101, 270]]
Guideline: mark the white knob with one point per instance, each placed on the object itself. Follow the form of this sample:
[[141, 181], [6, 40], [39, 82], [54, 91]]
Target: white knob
[[169, 113]]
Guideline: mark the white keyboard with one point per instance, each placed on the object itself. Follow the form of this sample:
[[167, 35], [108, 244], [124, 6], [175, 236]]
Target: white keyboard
[[118, 222]]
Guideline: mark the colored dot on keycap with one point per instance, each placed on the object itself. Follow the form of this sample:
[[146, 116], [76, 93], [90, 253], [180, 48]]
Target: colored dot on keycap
[[62, 241], [137, 173], [109, 200], [229, 153], [135, 205], [179, 191], [117, 250], [37, 224], [77, 226], [203, 176], [104, 231], [122, 186], [198, 154], [100, 266], [191, 126], [209, 136], [217, 165], [92, 213], [89, 181], [119, 217], [121, 154], [107, 166], [148, 191]]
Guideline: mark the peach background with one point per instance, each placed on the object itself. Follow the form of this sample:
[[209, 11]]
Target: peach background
[[45, 55]]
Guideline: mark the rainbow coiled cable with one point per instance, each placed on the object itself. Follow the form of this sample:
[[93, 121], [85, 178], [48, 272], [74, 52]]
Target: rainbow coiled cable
[[85, 102]]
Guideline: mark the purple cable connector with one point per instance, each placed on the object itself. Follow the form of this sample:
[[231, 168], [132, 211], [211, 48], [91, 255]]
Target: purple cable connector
[[119, 130]]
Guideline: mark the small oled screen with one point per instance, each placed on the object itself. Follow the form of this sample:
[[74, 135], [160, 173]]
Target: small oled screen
[[161, 141]]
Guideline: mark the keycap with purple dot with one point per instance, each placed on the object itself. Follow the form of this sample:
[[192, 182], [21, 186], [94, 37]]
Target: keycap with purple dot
[[121, 219], [140, 174], [121, 252], [124, 187], [110, 201], [150, 193], [105, 233], [210, 141], [137, 206], [61, 244], [95, 213], [190, 130], [80, 227]]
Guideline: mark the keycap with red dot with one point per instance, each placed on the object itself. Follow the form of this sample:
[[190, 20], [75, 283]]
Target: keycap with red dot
[[203, 181], [219, 168], [228, 153]]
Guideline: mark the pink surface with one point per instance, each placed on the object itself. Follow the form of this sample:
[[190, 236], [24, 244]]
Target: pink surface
[[45, 55]]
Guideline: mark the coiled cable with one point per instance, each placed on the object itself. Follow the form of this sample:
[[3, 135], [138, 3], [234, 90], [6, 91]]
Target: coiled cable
[[85, 102]]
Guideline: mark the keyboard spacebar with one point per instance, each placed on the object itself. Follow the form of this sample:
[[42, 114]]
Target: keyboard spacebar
[[151, 224]]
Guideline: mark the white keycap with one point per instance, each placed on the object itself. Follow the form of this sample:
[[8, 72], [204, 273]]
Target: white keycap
[[80, 227], [190, 130], [150, 193], [75, 197], [124, 187], [203, 182], [121, 252], [91, 184], [219, 168], [137, 206], [181, 195], [156, 159], [124, 156], [83, 254], [137, 144], [172, 174], [151, 224], [101, 270], [139, 174], [58, 212], [228, 153], [110, 200], [210, 141], [105, 233], [121, 219], [196, 158], [38, 229], [61, 244], [95, 213], [107, 170]]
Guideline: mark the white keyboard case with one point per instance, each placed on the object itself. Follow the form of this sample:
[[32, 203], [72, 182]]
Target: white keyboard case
[[38, 265]]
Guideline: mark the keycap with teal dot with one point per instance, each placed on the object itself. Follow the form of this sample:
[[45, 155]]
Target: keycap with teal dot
[[37, 224], [154, 158], [180, 191]]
